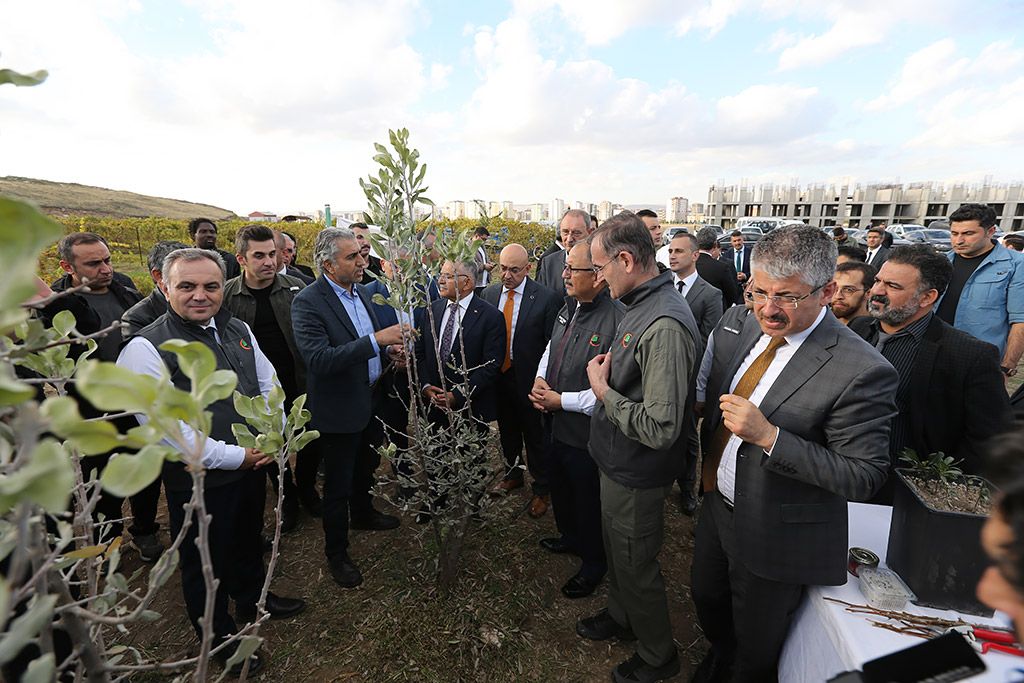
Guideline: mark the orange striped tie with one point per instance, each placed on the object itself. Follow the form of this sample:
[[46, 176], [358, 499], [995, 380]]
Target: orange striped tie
[[745, 387], [509, 307]]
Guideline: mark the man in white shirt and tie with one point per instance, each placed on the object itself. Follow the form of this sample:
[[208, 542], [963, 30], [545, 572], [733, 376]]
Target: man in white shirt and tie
[[877, 252], [739, 256]]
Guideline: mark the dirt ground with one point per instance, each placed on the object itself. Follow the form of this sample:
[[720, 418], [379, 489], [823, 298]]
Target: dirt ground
[[507, 621]]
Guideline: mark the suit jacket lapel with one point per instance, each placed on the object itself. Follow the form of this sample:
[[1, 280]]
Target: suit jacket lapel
[[335, 305], [529, 296], [750, 335], [807, 360]]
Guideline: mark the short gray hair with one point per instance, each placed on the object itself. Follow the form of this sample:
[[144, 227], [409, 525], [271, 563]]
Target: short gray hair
[[195, 254], [707, 238], [325, 246], [159, 251], [577, 213], [797, 250], [472, 269]]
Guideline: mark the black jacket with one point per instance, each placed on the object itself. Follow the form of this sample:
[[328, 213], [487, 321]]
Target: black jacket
[[122, 287], [722, 276]]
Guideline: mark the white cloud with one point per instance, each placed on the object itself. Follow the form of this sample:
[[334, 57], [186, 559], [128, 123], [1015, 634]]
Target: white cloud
[[439, 74], [973, 118]]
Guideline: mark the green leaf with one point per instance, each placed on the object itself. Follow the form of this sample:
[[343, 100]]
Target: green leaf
[[270, 443], [86, 552], [196, 359], [5, 595], [64, 322], [24, 628], [244, 406], [41, 670], [24, 232], [113, 388], [13, 392], [216, 386], [306, 437], [29, 79], [91, 438], [246, 646], [127, 474], [243, 436], [46, 480]]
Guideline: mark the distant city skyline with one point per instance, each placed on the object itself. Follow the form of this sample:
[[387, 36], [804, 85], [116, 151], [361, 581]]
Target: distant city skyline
[[261, 106]]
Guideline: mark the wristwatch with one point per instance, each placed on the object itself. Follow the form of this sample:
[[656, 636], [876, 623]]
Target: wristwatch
[[1009, 372]]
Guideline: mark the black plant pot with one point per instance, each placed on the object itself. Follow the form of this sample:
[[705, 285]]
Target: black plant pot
[[937, 553]]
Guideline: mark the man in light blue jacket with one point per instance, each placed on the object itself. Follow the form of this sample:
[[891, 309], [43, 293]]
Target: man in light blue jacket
[[985, 298]]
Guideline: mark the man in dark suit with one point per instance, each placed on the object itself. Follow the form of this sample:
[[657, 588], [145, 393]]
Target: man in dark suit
[[459, 354], [796, 424], [344, 348], [877, 251], [719, 274], [706, 305], [285, 249], [951, 396], [575, 226], [529, 311], [739, 256], [372, 262], [304, 269]]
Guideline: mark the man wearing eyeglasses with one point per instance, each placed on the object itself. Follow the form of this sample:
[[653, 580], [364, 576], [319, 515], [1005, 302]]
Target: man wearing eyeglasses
[[575, 226], [853, 280], [638, 436], [529, 311], [796, 423]]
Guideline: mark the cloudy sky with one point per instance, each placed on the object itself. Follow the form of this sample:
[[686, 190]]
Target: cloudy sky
[[268, 105]]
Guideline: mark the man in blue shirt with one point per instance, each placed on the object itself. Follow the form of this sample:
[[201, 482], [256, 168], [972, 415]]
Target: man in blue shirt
[[343, 346], [985, 297]]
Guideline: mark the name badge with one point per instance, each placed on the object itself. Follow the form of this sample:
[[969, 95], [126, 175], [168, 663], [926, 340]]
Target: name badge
[[729, 329], [562, 320]]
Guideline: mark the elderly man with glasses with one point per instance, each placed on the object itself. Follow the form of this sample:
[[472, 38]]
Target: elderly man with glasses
[[529, 311], [574, 227], [796, 424]]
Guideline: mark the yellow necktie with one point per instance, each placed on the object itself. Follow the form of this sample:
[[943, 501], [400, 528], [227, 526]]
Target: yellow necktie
[[745, 387], [509, 307]]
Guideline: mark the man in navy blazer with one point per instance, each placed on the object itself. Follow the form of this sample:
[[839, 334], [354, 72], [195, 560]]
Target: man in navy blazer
[[529, 311], [474, 340], [345, 350]]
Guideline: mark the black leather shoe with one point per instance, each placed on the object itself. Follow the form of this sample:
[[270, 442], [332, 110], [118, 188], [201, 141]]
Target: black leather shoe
[[255, 661], [688, 504], [344, 572], [312, 502], [714, 668], [277, 607], [555, 545], [602, 627], [374, 521], [578, 587], [636, 670]]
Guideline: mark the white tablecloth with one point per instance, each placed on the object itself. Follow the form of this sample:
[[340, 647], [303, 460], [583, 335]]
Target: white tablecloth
[[825, 639]]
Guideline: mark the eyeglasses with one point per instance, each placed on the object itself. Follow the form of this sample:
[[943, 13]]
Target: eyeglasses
[[598, 269], [570, 269], [444, 277], [848, 291], [575, 234], [779, 301], [515, 270]]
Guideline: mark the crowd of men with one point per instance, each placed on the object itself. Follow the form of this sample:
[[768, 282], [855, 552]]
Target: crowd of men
[[773, 382]]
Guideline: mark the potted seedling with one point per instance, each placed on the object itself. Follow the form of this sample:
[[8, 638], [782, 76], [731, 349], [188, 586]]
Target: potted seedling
[[935, 534]]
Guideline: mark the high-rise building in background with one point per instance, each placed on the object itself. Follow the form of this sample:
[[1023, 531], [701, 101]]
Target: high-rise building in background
[[537, 212], [507, 210], [473, 209], [862, 205], [676, 209], [557, 209], [604, 211], [455, 209], [578, 205]]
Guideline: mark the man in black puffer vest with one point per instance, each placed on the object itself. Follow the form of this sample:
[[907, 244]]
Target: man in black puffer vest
[[235, 486], [638, 436]]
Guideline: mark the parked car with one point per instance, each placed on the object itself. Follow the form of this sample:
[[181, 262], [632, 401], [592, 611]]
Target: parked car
[[900, 229], [765, 223], [939, 239], [862, 242]]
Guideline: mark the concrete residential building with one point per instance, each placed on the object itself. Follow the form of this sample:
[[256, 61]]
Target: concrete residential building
[[507, 210], [537, 212], [676, 210], [857, 207], [557, 209], [455, 209], [604, 211]]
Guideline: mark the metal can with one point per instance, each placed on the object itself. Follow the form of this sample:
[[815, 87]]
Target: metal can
[[860, 557]]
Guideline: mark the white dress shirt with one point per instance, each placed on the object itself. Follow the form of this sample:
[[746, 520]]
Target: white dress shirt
[[687, 282], [572, 401], [463, 307], [871, 253], [517, 300], [727, 467], [141, 357]]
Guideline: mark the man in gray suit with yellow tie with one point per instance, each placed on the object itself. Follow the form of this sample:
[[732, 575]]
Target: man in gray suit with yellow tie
[[795, 425]]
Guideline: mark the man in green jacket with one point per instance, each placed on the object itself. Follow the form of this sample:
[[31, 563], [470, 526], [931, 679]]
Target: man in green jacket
[[262, 298]]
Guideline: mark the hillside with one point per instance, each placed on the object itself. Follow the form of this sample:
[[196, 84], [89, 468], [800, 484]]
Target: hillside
[[64, 199]]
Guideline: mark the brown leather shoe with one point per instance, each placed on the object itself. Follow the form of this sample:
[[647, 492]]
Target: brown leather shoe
[[539, 505], [507, 485]]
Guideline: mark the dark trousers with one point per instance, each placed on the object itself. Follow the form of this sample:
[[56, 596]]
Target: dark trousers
[[144, 504], [519, 425], [744, 617], [688, 479], [235, 548], [576, 497], [350, 461]]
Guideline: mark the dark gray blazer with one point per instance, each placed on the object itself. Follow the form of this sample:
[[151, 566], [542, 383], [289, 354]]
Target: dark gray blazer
[[549, 272], [881, 257], [832, 404], [537, 312], [706, 304]]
